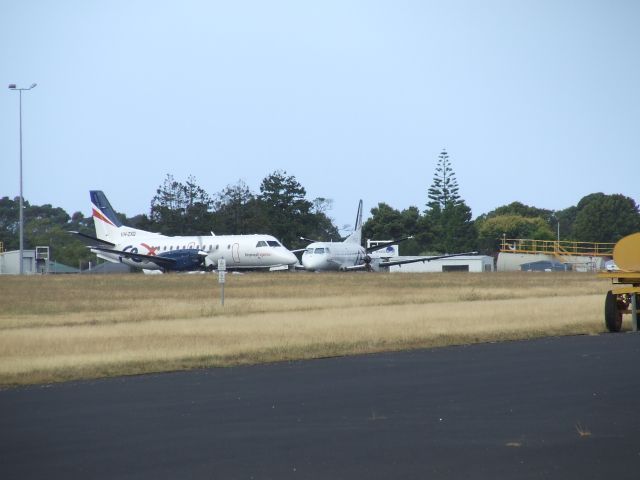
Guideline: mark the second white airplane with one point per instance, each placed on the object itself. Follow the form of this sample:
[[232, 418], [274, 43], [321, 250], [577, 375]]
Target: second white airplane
[[351, 255]]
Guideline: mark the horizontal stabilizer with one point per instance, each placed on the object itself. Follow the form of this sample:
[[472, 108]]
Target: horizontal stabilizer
[[89, 237], [310, 240], [390, 242]]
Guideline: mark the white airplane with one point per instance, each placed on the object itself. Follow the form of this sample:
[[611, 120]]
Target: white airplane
[[153, 251], [351, 255]]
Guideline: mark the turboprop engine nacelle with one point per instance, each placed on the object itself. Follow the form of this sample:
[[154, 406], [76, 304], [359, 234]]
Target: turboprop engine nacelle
[[374, 264]]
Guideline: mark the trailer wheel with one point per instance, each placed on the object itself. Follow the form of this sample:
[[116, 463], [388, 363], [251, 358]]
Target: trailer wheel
[[612, 314]]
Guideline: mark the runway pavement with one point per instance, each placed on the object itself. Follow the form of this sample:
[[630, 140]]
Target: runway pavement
[[565, 408]]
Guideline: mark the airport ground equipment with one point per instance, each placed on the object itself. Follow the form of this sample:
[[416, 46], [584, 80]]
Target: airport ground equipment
[[624, 297]]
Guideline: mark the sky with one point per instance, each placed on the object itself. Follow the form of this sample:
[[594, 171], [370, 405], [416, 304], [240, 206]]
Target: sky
[[535, 101]]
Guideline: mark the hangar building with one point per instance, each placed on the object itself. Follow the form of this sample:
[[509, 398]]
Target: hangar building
[[463, 263], [10, 262], [33, 261]]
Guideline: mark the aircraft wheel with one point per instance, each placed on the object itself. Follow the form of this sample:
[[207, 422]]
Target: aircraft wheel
[[612, 313]]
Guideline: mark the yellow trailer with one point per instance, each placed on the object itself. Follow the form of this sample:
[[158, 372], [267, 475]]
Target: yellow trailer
[[623, 298]]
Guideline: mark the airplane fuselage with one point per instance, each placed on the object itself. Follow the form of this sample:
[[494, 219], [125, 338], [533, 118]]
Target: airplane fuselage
[[239, 251], [320, 256]]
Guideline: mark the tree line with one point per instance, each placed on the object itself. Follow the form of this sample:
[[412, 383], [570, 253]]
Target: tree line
[[281, 208]]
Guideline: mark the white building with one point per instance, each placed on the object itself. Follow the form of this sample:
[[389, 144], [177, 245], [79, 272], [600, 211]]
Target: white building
[[33, 261], [463, 263]]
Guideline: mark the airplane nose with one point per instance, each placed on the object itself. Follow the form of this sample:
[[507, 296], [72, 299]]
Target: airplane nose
[[309, 263], [290, 258]]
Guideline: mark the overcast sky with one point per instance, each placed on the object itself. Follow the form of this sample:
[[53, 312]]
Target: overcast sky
[[535, 101]]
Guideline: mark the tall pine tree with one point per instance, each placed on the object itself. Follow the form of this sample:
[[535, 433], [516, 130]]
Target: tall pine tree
[[447, 214], [444, 190]]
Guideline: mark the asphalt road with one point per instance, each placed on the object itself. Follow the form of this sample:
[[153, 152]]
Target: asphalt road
[[512, 410]]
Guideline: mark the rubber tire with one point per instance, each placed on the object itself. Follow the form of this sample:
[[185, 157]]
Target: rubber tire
[[612, 316]]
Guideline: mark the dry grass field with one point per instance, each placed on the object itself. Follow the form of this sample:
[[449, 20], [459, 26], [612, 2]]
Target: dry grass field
[[56, 328]]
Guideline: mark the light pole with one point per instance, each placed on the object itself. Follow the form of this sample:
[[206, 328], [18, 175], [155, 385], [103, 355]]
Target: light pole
[[13, 87]]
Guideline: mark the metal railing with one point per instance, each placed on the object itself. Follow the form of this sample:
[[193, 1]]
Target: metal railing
[[555, 247]]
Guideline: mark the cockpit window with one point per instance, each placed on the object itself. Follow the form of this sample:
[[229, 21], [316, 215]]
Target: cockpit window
[[261, 243], [309, 251], [319, 250], [273, 243]]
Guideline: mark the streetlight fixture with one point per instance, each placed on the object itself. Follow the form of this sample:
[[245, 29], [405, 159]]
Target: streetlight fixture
[[13, 86]]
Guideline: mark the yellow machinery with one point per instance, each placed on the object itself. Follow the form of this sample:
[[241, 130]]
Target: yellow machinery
[[623, 298]]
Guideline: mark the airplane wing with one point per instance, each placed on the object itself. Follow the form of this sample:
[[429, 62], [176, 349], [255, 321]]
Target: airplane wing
[[377, 263], [158, 260], [391, 263], [95, 239]]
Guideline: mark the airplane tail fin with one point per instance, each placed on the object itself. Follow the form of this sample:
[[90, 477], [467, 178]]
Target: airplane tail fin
[[108, 227], [356, 236], [104, 217]]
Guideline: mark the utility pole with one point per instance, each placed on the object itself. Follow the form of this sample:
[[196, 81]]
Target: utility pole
[[13, 87]]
